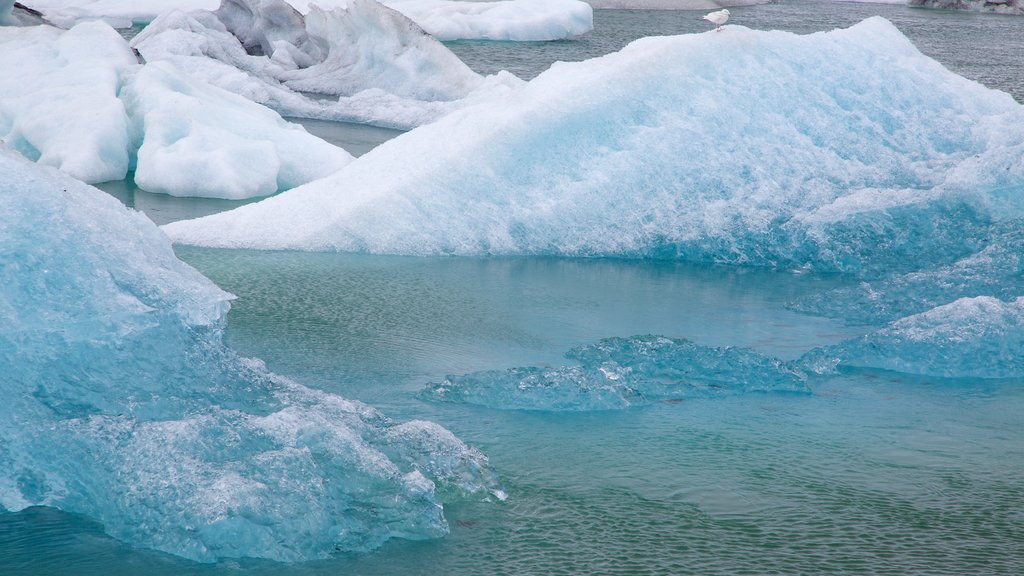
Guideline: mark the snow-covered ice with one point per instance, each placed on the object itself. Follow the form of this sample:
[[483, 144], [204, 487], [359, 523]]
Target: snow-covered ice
[[521, 20], [78, 100], [123, 404], [712, 147], [381, 67], [516, 20], [59, 98]]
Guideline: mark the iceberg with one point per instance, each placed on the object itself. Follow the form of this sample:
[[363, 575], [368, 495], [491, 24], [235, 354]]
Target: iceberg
[[509, 20], [47, 79], [673, 4], [523, 20], [119, 14], [1008, 7], [198, 140], [79, 101], [124, 404], [980, 337], [617, 373], [846, 151], [376, 65], [843, 152]]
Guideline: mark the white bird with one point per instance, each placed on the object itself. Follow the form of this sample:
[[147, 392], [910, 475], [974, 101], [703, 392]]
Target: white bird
[[718, 18]]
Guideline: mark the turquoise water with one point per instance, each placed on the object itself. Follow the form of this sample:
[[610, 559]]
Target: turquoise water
[[873, 472]]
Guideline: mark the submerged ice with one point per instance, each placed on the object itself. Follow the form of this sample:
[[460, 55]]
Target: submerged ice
[[123, 404], [622, 372]]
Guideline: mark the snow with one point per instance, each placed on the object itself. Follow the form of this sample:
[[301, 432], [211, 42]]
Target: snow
[[123, 403], [78, 100]]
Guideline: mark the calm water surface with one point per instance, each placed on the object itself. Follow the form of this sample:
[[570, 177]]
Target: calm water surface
[[872, 473]]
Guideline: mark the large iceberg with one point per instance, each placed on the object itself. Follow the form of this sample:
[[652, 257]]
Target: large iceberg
[[122, 402], [445, 19], [841, 152], [376, 65], [79, 101]]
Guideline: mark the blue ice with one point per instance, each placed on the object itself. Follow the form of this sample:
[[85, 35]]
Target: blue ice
[[122, 402]]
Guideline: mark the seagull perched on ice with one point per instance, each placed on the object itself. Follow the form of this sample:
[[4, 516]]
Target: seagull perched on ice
[[718, 18]]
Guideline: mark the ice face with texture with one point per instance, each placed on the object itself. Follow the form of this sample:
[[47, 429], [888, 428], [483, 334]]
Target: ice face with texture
[[123, 404], [79, 101], [198, 140], [618, 373], [382, 68], [981, 337], [841, 151], [514, 20], [66, 13], [48, 78]]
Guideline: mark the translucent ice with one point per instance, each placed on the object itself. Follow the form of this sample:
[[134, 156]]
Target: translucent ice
[[123, 404], [621, 372], [844, 151], [67, 13], [981, 337]]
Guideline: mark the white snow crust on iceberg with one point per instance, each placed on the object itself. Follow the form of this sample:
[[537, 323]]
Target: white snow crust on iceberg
[[122, 402], [117, 13], [199, 140], [378, 66], [521, 20], [509, 20], [58, 98], [764, 148], [1007, 7], [79, 101]]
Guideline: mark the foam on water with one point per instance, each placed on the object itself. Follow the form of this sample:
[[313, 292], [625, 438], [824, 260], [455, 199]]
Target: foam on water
[[124, 404]]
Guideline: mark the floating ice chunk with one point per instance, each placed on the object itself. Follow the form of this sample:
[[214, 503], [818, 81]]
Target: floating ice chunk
[[372, 46], [996, 270], [123, 404], [673, 4], [517, 20], [118, 13], [840, 151], [981, 337], [199, 140], [381, 67], [1009, 7], [58, 98], [622, 372]]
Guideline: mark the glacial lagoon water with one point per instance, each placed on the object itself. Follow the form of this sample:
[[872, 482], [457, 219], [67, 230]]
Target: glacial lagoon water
[[871, 472]]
